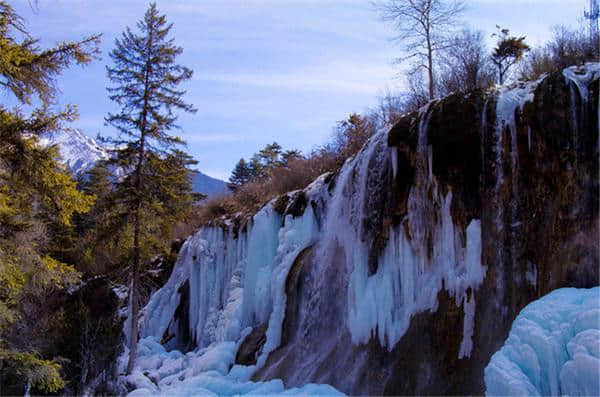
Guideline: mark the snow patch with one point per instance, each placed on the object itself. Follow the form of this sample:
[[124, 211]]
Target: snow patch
[[204, 371], [78, 151]]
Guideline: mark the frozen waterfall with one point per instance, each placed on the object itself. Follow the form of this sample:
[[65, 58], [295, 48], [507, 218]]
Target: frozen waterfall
[[231, 279]]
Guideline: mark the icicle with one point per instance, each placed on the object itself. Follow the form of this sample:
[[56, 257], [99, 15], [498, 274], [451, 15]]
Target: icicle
[[394, 156]]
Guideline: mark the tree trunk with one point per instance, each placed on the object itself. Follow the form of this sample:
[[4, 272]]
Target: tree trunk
[[133, 291], [430, 69], [135, 270]]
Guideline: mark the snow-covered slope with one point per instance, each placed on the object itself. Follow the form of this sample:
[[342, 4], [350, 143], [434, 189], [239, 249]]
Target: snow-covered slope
[[79, 152], [553, 348]]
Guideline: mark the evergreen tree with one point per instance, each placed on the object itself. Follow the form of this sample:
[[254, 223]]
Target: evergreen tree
[[351, 134], [146, 80], [269, 155], [257, 168], [241, 174], [38, 199], [290, 155], [508, 51]]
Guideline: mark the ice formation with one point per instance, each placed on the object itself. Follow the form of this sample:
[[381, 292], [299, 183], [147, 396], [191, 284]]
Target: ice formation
[[203, 372], [236, 281], [237, 278], [408, 278], [553, 348]]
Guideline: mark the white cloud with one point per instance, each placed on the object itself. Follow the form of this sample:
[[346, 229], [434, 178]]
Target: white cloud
[[339, 77]]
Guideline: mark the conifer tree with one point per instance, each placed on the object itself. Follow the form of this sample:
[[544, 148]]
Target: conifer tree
[[269, 155], [508, 51], [37, 195], [145, 81], [241, 174], [290, 155]]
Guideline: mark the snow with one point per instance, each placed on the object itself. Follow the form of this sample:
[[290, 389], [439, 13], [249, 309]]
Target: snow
[[121, 291], [202, 373], [553, 348], [581, 76], [78, 151]]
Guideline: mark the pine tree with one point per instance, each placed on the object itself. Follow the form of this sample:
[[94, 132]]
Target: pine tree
[[37, 197], [145, 78], [269, 155], [508, 51], [240, 175], [290, 155]]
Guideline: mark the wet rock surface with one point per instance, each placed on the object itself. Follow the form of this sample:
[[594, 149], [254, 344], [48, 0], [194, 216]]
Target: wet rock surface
[[533, 184], [252, 346]]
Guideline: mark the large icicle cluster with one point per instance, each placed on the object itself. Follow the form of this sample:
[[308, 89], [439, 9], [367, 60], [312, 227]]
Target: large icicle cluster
[[408, 277], [236, 281], [553, 348]]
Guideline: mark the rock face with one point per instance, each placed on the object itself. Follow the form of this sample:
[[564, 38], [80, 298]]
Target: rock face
[[403, 273]]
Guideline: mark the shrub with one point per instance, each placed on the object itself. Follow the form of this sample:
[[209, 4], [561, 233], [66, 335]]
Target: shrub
[[567, 47]]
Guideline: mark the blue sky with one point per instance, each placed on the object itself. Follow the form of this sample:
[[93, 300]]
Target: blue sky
[[264, 70]]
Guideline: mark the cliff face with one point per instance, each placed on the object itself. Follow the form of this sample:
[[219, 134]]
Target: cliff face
[[530, 173], [403, 273]]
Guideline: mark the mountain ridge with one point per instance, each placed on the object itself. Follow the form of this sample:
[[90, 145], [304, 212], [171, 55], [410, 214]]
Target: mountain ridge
[[80, 153]]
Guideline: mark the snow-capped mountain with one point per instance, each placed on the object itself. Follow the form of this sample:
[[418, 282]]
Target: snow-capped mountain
[[80, 152]]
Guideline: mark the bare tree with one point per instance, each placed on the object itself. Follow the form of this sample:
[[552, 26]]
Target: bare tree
[[390, 109], [465, 65], [422, 27]]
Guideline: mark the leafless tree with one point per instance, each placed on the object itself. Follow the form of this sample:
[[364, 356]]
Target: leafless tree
[[390, 108], [465, 65], [423, 27]]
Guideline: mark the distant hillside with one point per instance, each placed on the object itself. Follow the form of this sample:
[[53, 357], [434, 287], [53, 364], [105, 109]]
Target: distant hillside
[[208, 185], [79, 153]]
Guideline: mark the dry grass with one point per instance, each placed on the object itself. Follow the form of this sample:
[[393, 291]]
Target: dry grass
[[249, 198]]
